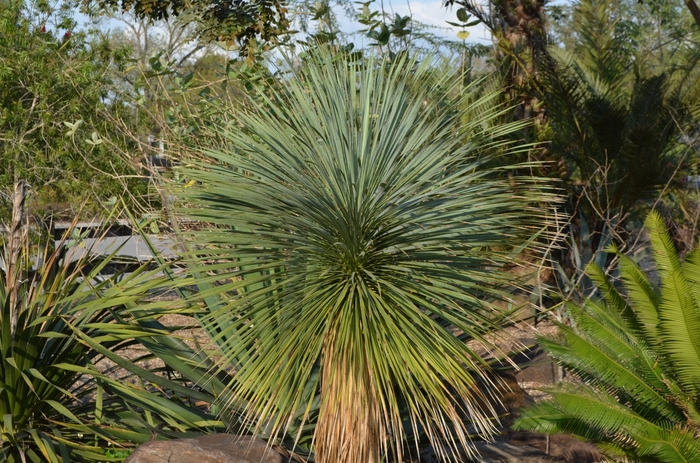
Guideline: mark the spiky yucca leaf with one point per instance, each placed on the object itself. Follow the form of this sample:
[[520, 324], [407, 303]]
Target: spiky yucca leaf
[[359, 240], [55, 403], [638, 357]]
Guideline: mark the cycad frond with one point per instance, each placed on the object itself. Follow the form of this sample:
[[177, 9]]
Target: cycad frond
[[679, 311], [599, 47], [644, 298], [606, 356], [640, 366]]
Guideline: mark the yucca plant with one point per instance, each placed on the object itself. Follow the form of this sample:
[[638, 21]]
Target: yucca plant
[[59, 319], [636, 355], [356, 241]]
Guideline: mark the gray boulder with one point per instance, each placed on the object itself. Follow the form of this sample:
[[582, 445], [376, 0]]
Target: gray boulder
[[214, 448]]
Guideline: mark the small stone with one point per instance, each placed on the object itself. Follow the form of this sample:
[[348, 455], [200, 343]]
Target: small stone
[[214, 448]]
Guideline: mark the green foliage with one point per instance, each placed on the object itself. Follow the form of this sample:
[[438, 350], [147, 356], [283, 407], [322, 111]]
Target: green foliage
[[241, 22], [654, 31], [66, 334], [377, 28], [53, 120], [613, 127], [614, 121], [636, 353], [355, 241]]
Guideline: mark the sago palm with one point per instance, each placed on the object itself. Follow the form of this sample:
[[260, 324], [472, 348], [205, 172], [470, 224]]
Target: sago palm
[[636, 353], [356, 242]]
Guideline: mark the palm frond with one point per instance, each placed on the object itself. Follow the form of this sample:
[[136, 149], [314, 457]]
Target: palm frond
[[606, 356], [679, 312]]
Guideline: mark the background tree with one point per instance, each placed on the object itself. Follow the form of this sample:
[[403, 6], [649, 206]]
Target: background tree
[[54, 95], [231, 21], [162, 56], [175, 86]]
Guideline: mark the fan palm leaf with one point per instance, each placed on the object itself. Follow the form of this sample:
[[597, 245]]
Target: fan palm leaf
[[355, 241]]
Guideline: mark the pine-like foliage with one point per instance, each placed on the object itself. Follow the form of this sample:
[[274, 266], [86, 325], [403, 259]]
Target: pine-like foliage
[[356, 242], [637, 354], [614, 123]]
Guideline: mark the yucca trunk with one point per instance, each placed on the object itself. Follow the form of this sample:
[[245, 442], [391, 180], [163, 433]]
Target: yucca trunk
[[15, 238], [347, 430], [521, 24]]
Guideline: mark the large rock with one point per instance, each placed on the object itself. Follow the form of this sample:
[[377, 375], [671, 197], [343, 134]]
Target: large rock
[[540, 369], [214, 448]]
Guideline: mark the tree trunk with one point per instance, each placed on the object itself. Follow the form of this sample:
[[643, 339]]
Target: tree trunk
[[349, 424], [519, 33], [522, 43], [694, 10]]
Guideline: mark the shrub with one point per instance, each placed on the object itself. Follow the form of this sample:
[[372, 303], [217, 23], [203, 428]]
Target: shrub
[[354, 245]]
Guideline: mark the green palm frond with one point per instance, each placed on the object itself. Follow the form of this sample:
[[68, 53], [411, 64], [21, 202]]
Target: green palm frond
[[600, 48], [679, 311], [636, 354], [597, 416], [356, 241], [618, 360]]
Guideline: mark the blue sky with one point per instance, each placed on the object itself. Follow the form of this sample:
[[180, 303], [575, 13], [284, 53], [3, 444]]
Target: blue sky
[[431, 12]]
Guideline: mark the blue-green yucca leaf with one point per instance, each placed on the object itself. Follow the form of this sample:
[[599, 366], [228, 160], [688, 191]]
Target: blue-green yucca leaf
[[355, 235]]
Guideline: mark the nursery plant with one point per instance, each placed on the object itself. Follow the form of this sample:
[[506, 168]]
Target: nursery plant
[[634, 355], [352, 244]]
